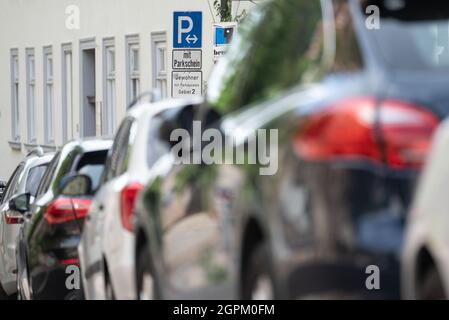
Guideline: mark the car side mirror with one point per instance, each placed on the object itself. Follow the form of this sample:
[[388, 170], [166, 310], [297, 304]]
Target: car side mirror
[[20, 203], [75, 185]]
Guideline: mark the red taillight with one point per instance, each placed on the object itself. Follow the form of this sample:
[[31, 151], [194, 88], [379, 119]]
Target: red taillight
[[70, 261], [67, 209], [12, 219], [396, 133], [407, 131], [127, 201]]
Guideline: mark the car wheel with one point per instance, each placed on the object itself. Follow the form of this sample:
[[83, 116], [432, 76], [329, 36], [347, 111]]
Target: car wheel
[[3, 295], [146, 286], [258, 280], [431, 286]]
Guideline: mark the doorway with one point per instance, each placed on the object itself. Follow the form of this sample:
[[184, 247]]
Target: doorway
[[87, 85]]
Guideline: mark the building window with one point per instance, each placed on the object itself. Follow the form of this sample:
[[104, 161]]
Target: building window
[[31, 95], [15, 128], [48, 96], [159, 59], [108, 114], [67, 92], [132, 67]]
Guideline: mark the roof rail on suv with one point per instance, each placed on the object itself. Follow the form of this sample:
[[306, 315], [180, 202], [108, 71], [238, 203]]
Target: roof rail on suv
[[152, 96], [38, 151]]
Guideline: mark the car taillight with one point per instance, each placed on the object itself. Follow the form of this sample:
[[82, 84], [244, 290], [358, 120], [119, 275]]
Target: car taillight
[[70, 261], [127, 201], [395, 132], [67, 209], [13, 219]]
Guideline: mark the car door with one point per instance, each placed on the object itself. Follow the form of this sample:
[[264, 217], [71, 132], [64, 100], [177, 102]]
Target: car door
[[31, 231], [28, 183], [26, 229], [10, 190], [191, 253]]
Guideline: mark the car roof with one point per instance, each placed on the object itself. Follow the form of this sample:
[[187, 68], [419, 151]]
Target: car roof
[[90, 144], [37, 159], [146, 107]]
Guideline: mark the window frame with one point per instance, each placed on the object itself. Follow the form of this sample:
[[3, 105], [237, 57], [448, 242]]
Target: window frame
[[31, 95], [132, 43], [48, 88], [67, 90], [159, 75], [15, 98], [109, 87]]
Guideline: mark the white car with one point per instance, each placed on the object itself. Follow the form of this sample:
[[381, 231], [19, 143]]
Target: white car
[[425, 259], [107, 245], [25, 179]]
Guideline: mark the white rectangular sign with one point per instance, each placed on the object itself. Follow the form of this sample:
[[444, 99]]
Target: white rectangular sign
[[187, 59], [187, 84], [219, 52]]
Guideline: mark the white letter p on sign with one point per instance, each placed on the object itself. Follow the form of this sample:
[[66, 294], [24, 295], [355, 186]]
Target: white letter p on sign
[[182, 30]]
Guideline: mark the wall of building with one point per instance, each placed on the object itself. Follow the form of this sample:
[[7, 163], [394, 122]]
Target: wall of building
[[42, 23]]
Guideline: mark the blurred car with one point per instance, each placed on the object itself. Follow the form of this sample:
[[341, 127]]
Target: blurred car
[[106, 249], [51, 232], [425, 262], [353, 107], [25, 179]]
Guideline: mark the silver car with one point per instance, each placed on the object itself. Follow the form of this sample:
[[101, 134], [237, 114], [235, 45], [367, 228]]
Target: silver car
[[106, 249], [25, 179]]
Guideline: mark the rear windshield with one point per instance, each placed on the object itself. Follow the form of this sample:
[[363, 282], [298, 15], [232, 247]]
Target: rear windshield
[[92, 165], [410, 35], [34, 178]]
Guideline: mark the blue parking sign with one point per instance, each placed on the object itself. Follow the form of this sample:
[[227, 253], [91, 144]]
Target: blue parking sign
[[187, 29]]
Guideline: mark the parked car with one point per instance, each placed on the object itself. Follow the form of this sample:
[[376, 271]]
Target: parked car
[[25, 179], [107, 245], [51, 232], [425, 263], [354, 108]]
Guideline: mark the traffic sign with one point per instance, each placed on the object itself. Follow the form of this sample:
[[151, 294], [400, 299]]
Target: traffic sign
[[187, 84], [187, 59], [223, 34], [187, 29]]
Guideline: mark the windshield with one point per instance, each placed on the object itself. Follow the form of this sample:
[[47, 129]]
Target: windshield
[[410, 35]]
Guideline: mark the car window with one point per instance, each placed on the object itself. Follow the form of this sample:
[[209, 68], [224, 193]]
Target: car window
[[34, 177], [348, 56], [156, 145], [116, 163], [92, 165], [280, 46], [12, 185], [2, 187], [44, 185], [413, 35]]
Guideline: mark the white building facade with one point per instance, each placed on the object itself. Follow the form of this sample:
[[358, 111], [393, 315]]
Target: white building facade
[[69, 68]]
